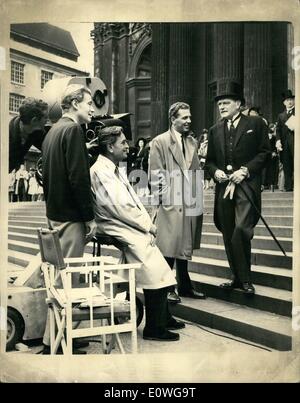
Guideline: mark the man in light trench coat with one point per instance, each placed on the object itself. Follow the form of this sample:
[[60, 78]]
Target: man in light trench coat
[[120, 214], [176, 184]]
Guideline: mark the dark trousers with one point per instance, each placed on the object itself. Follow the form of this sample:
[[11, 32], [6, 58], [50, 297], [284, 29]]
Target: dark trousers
[[287, 158], [182, 275], [236, 218], [157, 310]]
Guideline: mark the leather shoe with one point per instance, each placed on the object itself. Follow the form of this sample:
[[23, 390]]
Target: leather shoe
[[164, 336], [174, 324], [80, 344], [230, 285], [173, 297], [192, 294], [248, 288], [46, 351]]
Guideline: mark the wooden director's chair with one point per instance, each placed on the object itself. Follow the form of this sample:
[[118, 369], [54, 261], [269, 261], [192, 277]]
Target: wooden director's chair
[[92, 302]]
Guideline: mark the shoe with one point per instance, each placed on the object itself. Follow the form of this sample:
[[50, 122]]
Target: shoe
[[230, 285], [78, 352], [173, 297], [174, 324], [164, 336], [46, 351], [192, 294], [80, 344], [248, 288]]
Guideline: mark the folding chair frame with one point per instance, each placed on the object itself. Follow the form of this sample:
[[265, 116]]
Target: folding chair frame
[[62, 298]]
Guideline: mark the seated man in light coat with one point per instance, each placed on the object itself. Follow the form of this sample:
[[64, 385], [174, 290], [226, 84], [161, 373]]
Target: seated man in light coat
[[120, 214]]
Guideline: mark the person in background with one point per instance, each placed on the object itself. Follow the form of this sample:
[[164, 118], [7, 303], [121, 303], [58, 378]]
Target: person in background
[[11, 185], [255, 111], [285, 138], [26, 129], [32, 186], [22, 177], [270, 175]]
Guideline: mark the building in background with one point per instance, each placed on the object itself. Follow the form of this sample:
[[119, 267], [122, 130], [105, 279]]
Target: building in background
[[39, 52], [147, 67]]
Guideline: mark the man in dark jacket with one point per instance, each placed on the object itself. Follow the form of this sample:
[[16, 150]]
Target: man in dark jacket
[[26, 129], [238, 148], [285, 139], [66, 176]]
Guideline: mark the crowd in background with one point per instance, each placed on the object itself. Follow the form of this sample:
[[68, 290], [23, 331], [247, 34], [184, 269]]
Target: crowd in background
[[23, 186]]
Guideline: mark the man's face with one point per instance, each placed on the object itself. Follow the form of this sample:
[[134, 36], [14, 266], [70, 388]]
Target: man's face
[[120, 149], [85, 110], [228, 107], [39, 124], [289, 103], [182, 122]]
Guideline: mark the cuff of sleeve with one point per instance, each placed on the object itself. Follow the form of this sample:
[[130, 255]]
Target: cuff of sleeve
[[246, 171]]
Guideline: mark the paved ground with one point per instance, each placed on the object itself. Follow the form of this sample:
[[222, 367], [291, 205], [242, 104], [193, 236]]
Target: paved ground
[[199, 356], [193, 338]]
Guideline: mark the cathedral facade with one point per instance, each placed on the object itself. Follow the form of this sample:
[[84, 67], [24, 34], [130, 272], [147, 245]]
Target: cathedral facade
[[146, 67]]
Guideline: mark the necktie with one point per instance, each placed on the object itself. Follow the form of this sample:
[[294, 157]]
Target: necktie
[[183, 146], [231, 127]]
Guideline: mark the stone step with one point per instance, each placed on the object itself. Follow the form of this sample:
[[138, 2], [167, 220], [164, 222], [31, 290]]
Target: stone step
[[258, 242], [265, 298], [267, 211], [27, 219], [266, 195], [208, 238], [19, 259], [24, 247], [271, 220], [29, 224], [253, 325], [263, 275], [258, 257], [265, 203], [279, 231], [23, 230]]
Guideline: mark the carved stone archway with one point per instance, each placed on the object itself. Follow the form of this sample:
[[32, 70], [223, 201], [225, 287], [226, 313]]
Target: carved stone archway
[[138, 85]]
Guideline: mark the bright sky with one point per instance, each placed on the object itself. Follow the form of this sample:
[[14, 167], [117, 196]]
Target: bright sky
[[85, 45]]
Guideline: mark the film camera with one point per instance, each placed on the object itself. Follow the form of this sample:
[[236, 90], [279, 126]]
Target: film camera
[[53, 92]]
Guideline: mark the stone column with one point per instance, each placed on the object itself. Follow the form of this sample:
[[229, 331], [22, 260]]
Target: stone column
[[228, 47], [180, 63], [258, 66], [159, 78]]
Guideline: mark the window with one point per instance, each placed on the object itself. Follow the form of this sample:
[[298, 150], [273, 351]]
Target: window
[[15, 101], [17, 72], [45, 77]]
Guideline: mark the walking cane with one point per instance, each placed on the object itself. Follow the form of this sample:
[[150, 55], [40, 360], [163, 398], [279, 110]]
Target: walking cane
[[262, 218]]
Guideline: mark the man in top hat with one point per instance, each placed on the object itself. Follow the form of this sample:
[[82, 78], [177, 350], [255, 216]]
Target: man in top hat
[[238, 149], [285, 138]]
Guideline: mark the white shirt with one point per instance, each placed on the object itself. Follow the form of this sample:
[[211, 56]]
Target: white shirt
[[235, 122], [178, 138]]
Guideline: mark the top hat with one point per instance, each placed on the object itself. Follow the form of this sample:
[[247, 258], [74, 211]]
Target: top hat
[[287, 94], [230, 89]]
